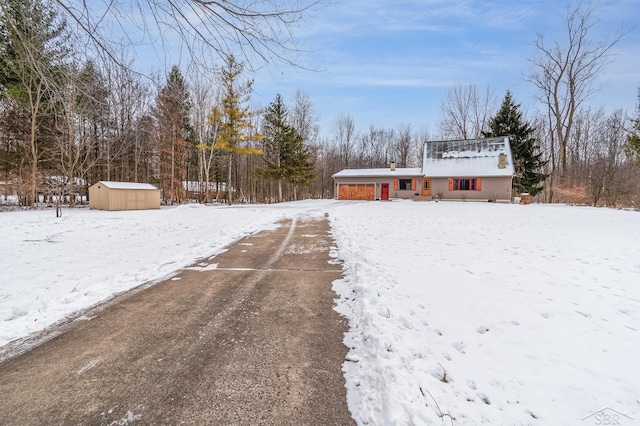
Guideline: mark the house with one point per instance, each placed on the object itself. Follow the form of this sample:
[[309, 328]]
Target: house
[[473, 169], [105, 195]]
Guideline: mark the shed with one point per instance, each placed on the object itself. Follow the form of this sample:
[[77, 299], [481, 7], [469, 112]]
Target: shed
[[105, 195]]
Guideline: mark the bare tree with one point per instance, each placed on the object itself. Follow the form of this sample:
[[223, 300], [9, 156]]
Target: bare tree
[[466, 112], [304, 117], [608, 177], [403, 146], [128, 101], [344, 130], [422, 136], [73, 151], [261, 31], [565, 72], [205, 129], [327, 158], [374, 148]]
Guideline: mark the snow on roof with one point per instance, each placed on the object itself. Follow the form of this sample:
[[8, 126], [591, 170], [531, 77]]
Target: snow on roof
[[127, 185], [472, 157], [386, 172]]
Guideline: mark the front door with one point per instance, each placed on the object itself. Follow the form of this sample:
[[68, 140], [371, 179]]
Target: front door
[[384, 191], [426, 187]]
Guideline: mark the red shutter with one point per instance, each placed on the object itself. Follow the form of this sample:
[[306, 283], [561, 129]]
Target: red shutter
[[395, 184], [413, 184], [450, 184], [479, 185]]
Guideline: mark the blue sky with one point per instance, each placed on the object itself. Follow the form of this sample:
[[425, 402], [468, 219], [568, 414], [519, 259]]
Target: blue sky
[[391, 62]]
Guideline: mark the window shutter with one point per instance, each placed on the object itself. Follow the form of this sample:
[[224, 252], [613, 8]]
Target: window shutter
[[395, 184], [413, 184], [479, 184], [450, 184]]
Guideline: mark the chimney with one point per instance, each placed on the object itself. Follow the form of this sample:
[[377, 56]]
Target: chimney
[[393, 166], [502, 161]]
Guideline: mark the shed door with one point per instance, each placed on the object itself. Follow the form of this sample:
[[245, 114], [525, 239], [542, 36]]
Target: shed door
[[357, 191], [135, 200]]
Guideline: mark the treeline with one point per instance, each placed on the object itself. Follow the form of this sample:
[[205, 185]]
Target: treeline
[[602, 162], [67, 122], [598, 162]]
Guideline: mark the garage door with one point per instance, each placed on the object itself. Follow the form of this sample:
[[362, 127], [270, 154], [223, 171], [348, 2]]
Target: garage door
[[356, 191]]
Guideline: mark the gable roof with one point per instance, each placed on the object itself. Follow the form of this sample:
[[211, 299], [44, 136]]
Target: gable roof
[[386, 172], [127, 185], [467, 158]]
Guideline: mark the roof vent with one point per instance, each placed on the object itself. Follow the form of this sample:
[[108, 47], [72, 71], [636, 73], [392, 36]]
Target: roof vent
[[502, 161], [393, 166]]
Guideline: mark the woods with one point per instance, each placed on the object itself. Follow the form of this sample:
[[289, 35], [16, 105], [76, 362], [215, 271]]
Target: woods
[[69, 119]]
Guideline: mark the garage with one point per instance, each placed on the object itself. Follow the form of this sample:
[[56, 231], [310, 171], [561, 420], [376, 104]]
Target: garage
[[356, 191]]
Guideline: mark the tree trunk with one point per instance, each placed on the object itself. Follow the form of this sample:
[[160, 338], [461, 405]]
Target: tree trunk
[[229, 174]]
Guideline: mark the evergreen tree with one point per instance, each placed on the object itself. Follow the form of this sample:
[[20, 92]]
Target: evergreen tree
[[173, 130], [32, 48], [31, 43], [284, 152], [527, 158], [236, 132], [633, 142]]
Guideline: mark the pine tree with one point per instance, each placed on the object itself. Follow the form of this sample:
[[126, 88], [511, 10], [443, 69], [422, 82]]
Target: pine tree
[[527, 158], [276, 137], [233, 120], [284, 153], [633, 141], [32, 48], [173, 131]]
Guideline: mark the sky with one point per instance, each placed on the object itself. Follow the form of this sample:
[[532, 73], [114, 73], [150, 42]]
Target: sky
[[389, 63]]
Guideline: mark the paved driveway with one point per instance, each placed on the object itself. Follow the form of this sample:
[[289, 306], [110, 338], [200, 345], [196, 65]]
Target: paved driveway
[[247, 337]]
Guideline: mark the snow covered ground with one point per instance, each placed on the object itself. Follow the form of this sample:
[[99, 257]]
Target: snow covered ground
[[465, 312]]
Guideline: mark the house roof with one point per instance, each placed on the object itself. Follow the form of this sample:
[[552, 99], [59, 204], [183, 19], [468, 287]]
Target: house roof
[[386, 172], [128, 185], [472, 157]]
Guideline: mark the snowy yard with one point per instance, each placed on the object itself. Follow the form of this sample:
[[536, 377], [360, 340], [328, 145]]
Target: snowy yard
[[481, 313], [495, 314]]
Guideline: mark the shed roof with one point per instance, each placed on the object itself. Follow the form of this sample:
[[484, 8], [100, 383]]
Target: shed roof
[[386, 172], [471, 157], [128, 185]]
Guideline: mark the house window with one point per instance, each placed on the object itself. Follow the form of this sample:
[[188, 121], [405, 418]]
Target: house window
[[465, 185], [425, 185], [404, 184]]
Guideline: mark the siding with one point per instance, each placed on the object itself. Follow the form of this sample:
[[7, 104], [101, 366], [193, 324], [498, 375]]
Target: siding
[[492, 188], [102, 197], [377, 182]]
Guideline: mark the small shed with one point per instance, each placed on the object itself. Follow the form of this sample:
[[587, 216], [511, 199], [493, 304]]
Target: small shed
[[105, 195]]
